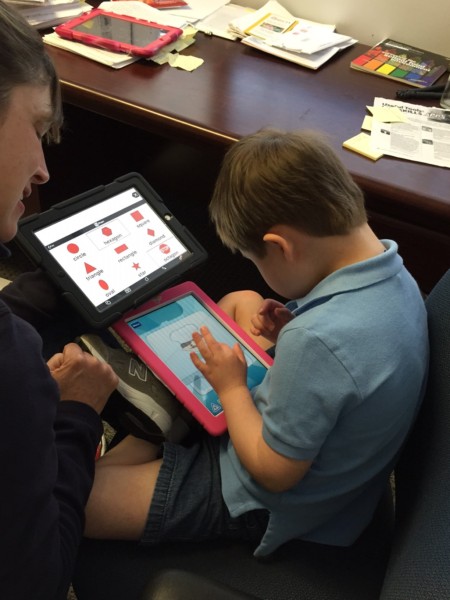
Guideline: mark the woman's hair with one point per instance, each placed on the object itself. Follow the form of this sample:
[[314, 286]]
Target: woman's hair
[[274, 177], [24, 61]]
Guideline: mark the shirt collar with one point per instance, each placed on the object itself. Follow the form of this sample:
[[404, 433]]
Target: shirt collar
[[352, 277]]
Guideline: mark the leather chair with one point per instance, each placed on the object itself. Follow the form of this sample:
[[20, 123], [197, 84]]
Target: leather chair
[[406, 562]]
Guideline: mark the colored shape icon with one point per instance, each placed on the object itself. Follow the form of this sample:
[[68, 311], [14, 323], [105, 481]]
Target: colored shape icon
[[103, 284], [137, 216], [89, 268], [73, 248], [121, 248], [164, 248], [107, 231], [151, 232], [136, 266]]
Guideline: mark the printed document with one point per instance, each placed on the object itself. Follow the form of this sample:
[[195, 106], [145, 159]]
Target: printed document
[[423, 137]]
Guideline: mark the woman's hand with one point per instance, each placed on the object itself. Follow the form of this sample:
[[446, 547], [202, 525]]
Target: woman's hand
[[82, 377]]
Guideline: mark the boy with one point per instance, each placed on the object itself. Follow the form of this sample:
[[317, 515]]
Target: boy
[[308, 451]]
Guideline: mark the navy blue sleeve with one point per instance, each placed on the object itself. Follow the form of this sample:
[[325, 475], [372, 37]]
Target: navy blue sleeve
[[33, 297], [47, 449]]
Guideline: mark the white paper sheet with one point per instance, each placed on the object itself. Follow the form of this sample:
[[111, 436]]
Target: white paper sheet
[[424, 137]]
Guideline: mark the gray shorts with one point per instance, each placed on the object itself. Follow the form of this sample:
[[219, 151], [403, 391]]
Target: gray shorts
[[187, 503]]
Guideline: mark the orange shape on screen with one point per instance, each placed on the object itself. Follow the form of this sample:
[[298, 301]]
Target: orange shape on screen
[[89, 268]]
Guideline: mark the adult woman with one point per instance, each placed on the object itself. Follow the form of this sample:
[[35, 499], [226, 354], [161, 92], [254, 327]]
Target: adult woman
[[49, 423]]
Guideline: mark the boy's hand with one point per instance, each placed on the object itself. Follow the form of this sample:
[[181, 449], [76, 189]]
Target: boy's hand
[[224, 367], [82, 377], [271, 317]]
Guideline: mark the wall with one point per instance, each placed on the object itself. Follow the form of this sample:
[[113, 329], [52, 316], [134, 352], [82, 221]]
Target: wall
[[426, 25]]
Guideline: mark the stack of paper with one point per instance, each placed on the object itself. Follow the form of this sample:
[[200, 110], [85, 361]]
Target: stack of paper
[[48, 13], [408, 131], [218, 22], [117, 60], [274, 30]]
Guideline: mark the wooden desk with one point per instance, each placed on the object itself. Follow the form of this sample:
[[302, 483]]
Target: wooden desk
[[239, 90]]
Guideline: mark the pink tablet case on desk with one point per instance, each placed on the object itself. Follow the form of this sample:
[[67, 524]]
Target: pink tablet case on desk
[[119, 33]]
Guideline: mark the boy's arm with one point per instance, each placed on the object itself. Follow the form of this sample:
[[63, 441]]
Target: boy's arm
[[225, 369], [273, 471]]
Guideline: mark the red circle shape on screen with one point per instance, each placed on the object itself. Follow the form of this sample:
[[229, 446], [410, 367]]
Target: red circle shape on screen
[[73, 248]]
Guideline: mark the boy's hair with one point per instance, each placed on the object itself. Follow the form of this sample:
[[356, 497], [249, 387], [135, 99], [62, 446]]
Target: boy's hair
[[24, 61], [274, 177]]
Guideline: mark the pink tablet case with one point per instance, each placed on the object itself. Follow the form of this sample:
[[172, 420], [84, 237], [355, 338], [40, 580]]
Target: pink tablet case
[[214, 424]]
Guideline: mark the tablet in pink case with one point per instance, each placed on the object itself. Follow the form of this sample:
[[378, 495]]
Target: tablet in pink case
[[160, 333], [119, 33]]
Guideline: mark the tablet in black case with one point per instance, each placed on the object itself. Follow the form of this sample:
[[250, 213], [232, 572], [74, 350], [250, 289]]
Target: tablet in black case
[[111, 248]]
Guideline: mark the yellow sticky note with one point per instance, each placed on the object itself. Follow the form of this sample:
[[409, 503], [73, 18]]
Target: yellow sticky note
[[367, 123], [387, 114], [189, 32], [361, 144], [187, 63]]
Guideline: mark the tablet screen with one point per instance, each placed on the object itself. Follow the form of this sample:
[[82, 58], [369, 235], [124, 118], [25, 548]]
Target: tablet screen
[[120, 30], [167, 331], [113, 248]]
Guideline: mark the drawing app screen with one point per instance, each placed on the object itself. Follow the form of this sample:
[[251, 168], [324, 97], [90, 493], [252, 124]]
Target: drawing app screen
[[113, 248], [167, 330]]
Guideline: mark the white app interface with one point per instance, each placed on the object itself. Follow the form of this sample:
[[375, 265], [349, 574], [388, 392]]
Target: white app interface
[[113, 248]]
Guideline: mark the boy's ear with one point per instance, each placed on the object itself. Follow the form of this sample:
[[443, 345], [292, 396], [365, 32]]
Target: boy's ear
[[282, 243]]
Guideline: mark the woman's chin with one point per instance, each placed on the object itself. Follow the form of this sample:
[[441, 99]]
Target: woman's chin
[[8, 230]]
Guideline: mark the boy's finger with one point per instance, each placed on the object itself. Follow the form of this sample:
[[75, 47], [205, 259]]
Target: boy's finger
[[201, 344], [239, 352], [208, 337], [197, 362]]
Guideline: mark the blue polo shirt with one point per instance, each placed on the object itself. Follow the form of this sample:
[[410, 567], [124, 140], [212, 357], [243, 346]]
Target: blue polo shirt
[[347, 380]]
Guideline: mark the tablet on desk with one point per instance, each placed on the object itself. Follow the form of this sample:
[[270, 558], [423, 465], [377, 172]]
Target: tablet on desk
[[111, 248], [160, 333], [119, 33]]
